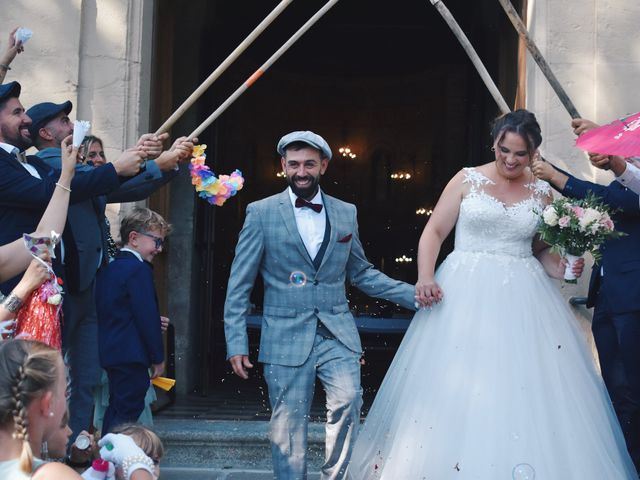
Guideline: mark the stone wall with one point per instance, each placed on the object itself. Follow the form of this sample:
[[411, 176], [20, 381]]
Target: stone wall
[[593, 47], [96, 53]]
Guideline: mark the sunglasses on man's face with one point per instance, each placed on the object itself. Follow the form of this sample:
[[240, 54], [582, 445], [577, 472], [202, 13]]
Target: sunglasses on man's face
[[159, 241]]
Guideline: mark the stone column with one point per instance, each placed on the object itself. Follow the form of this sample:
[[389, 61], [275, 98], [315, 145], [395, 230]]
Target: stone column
[[591, 46]]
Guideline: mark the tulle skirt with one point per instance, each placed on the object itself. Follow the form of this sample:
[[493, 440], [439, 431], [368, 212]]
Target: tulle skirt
[[496, 382]]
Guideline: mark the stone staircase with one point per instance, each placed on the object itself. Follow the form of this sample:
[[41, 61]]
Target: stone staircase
[[197, 449]]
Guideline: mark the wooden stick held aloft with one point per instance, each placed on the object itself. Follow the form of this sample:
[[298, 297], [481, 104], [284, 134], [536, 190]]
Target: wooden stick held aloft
[[473, 55], [260, 71], [175, 116], [539, 58]]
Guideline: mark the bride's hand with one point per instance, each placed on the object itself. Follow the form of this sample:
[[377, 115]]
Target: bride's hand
[[578, 267], [428, 293]]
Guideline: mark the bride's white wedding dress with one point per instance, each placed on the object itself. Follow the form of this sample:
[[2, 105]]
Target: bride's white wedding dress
[[495, 376]]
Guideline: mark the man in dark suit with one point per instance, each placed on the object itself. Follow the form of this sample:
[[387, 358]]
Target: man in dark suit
[[87, 231], [27, 183], [614, 291]]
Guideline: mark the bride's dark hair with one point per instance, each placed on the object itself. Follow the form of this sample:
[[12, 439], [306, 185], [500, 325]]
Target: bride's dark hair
[[522, 122]]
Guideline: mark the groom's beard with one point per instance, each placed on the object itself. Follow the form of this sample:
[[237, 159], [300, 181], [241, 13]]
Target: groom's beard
[[307, 192]]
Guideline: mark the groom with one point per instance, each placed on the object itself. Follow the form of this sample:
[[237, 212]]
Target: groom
[[305, 245]]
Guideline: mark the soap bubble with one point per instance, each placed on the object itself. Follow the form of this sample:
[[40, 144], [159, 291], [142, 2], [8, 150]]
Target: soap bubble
[[523, 471], [298, 279]]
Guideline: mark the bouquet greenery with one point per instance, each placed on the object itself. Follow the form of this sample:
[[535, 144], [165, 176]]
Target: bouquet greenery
[[573, 227]]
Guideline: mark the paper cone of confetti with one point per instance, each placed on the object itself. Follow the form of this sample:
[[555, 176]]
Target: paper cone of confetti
[[80, 130]]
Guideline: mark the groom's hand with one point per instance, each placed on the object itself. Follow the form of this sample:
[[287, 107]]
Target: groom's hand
[[240, 363]]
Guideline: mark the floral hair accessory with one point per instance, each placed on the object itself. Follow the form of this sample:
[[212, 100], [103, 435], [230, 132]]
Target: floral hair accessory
[[215, 190]]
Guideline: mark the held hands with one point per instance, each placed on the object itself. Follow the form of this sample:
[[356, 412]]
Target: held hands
[[428, 293], [240, 363]]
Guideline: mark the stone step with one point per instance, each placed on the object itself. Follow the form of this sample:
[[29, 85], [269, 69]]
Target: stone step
[[224, 449], [172, 473]]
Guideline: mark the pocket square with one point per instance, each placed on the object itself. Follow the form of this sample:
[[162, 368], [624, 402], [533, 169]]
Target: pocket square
[[345, 239]]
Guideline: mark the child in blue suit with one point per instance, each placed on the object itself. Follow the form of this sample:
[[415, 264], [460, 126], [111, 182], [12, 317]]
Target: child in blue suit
[[129, 327]]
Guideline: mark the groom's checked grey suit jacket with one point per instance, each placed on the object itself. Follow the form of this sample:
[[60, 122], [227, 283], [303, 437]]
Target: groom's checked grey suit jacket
[[270, 244]]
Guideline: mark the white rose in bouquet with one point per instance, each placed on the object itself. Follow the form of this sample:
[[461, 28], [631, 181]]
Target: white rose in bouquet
[[590, 217], [550, 216]]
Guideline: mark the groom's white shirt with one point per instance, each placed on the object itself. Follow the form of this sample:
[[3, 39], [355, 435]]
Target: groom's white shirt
[[310, 224]]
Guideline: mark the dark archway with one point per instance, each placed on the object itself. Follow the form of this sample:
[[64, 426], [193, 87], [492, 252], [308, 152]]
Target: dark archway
[[391, 83]]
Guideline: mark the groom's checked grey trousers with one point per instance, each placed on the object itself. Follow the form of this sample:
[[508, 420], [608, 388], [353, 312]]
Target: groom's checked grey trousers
[[291, 393]]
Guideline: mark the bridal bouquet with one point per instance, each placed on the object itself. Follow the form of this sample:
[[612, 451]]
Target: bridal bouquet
[[573, 227]]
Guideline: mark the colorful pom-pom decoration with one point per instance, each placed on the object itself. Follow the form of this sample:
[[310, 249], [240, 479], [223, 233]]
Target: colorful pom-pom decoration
[[215, 190]]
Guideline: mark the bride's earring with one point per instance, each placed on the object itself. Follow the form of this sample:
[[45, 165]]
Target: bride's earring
[[493, 149]]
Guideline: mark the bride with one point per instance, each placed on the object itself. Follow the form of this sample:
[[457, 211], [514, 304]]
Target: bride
[[493, 380]]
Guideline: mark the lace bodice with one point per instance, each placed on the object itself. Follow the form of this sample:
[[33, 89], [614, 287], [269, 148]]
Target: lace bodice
[[485, 224]]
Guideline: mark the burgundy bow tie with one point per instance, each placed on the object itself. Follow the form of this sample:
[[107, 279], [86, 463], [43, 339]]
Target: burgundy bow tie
[[301, 202]]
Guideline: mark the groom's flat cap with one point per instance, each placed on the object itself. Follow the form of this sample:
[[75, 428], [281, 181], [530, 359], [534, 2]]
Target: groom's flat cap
[[310, 138]]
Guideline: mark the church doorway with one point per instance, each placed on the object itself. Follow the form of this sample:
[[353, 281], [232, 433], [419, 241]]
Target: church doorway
[[386, 80]]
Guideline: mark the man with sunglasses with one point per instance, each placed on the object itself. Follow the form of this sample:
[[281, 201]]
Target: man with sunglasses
[[86, 240]]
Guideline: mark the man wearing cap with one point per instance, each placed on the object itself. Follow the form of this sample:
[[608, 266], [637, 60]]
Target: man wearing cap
[[305, 244], [86, 234], [27, 183]]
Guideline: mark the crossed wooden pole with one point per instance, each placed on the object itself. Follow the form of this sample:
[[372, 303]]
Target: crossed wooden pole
[[531, 46], [175, 116], [232, 57], [260, 71], [442, 9]]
